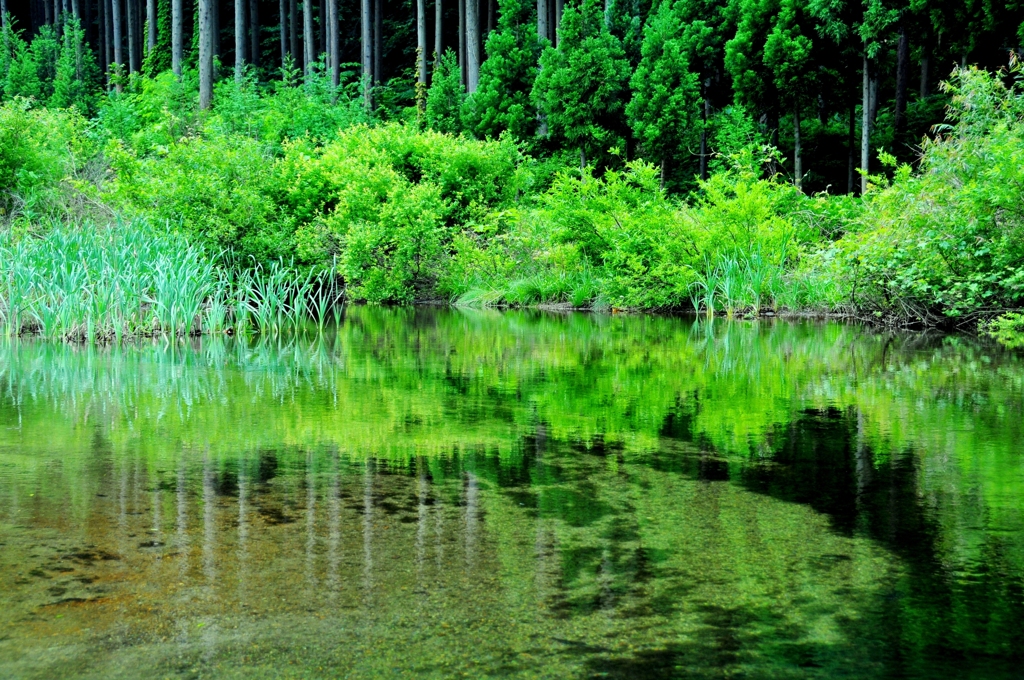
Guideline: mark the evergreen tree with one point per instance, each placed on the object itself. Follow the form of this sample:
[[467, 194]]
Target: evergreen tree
[[582, 86], [77, 76], [788, 56], [502, 100], [665, 105], [33, 66], [446, 95], [704, 27]]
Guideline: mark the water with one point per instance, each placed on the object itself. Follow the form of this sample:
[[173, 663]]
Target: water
[[441, 494]]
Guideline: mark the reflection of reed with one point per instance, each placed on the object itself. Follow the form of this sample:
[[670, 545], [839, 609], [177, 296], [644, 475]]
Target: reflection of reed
[[334, 528], [181, 524], [472, 518], [243, 529], [367, 529], [421, 519], [209, 524], [310, 521]]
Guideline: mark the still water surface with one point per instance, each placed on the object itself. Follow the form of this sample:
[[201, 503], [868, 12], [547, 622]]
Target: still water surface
[[439, 493]]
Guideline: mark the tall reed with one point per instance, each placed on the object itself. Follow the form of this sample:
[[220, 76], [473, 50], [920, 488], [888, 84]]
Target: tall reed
[[89, 284]]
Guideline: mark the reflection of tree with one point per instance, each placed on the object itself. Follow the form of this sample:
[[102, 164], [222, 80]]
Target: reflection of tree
[[608, 439]]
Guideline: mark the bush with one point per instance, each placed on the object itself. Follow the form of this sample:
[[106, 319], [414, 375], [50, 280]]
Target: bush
[[40, 151], [949, 240]]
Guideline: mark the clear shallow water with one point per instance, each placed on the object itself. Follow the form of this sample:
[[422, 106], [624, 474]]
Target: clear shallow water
[[440, 493]]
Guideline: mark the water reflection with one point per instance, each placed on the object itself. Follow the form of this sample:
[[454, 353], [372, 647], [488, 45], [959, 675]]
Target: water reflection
[[437, 492]]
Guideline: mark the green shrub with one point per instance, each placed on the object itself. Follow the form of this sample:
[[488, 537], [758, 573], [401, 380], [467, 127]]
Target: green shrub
[[948, 241], [39, 151]]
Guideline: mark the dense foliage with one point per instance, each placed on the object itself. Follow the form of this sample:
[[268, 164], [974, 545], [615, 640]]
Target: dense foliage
[[570, 192]]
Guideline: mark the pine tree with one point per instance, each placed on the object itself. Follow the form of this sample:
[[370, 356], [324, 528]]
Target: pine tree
[[665, 105], [502, 100], [582, 86], [446, 95], [76, 80]]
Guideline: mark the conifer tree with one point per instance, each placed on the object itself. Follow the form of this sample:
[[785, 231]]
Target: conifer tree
[[582, 86], [664, 108], [502, 100], [76, 79], [446, 96]]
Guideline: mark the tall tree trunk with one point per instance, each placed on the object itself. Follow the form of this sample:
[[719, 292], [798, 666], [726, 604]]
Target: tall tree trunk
[[472, 45], [150, 26], [607, 12], [865, 129], [282, 25], [873, 98], [254, 32], [704, 115], [177, 35], [542, 19], [240, 39], [367, 54], [307, 38], [421, 41], [133, 59], [902, 78], [118, 42], [492, 17], [798, 160], [205, 53], [47, 17], [438, 25], [462, 41], [334, 43], [108, 31], [851, 143], [293, 31], [378, 41]]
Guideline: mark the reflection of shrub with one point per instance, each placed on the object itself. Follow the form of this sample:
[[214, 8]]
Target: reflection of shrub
[[1007, 329]]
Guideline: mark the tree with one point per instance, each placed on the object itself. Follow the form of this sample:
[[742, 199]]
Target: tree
[[704, 27], [788, 56], [76, 79], [309, 47], [177, 35], [367, 53], [115, 6], [665, 105], [583, 83], [502, 100], [240, 39], [472, 45], [205, 53], [446, 95]]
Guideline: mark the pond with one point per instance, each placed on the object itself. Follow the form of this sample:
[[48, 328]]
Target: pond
[[445, 493]]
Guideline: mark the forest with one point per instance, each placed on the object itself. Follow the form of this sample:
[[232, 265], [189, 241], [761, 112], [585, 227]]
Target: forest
[[181, 168]]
